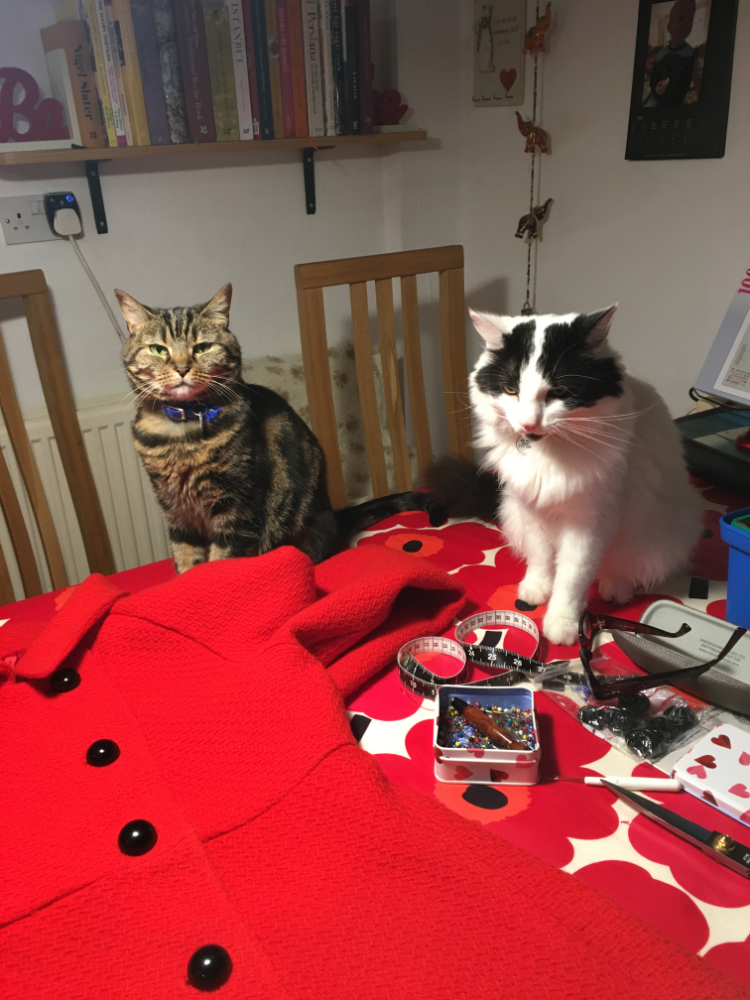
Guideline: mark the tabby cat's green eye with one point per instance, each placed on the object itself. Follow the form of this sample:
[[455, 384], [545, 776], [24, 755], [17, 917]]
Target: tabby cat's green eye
[[159, 349], [202, 348]]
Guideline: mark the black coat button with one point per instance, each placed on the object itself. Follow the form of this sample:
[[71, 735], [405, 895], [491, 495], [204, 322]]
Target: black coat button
[[137, 837], [209, 968], [102, 752], [64, 679]]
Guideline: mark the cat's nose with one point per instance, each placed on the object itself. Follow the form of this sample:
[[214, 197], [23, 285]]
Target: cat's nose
[[182, 371], [530, 428]]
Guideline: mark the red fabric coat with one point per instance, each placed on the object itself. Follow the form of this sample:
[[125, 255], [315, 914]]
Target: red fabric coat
[[278, 838]]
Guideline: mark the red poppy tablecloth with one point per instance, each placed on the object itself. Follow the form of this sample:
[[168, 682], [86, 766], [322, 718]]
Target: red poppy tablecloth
[[585, 831]]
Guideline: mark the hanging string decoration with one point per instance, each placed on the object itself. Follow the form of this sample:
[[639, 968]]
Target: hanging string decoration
[[537, 139]]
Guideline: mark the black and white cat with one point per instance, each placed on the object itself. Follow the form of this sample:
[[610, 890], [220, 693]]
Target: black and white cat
[[594, 483]]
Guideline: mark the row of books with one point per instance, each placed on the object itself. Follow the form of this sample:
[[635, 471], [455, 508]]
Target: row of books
[[153, 72]]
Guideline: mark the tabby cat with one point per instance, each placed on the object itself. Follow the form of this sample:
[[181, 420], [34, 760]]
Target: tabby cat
[[235, 469]]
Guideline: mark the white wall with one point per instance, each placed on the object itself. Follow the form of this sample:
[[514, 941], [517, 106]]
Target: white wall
[[667, 240]]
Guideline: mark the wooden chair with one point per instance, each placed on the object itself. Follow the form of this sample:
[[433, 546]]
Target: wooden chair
[[31, 287], [311, 279]]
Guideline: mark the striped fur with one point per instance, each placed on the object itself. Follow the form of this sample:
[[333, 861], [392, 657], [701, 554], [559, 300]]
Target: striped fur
[[251, 479]]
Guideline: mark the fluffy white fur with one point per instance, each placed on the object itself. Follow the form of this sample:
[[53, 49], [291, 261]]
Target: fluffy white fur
[[604, 493]]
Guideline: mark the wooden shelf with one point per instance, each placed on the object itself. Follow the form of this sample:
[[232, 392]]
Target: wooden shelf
[[202, 148]]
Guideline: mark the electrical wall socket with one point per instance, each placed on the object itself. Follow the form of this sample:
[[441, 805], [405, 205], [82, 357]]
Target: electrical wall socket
[[23, 220]]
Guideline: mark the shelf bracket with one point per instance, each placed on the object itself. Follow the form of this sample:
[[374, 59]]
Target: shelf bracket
[[308, 170], [97, 201]]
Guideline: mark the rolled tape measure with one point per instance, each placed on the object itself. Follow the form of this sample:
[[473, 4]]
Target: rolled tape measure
[[515, 667]]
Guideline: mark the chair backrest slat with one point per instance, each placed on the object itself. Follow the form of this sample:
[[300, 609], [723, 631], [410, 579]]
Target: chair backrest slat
[[391, 385], [414, 374], [310, 280], [19, 536], [366, 385], [319, 394], [33, 483], [31, 287]]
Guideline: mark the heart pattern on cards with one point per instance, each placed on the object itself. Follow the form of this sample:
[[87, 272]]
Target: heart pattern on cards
[[722, 740], [740, 790], [709, 798], [722, 779], [745, 759], [698, 771], [707, 760]]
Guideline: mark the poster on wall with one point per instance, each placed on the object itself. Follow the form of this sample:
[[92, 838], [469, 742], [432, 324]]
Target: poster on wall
[[499, 31], [682, 77]]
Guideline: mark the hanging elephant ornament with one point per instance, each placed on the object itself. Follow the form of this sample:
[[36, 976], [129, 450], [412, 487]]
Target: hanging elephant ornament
[[529, 224]]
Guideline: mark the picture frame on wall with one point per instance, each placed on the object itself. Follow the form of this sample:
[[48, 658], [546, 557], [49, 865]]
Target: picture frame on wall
[[682, 78]]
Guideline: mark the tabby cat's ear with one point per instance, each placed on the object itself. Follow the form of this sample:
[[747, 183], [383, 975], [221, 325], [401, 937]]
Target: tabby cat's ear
[[597, 325], [132, 310], [218, 307], [491, 327]]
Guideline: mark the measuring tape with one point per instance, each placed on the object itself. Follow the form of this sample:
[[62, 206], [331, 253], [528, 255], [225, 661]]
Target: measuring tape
[[515, 667]]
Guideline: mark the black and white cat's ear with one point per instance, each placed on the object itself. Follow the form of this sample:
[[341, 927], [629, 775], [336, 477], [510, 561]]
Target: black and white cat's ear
[[135, 314], [218, 307], [491, 327], [596, 325]]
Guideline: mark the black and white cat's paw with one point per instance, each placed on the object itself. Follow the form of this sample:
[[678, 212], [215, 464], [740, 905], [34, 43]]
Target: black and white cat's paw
[[615, 590], [560, 628], [534, 590]]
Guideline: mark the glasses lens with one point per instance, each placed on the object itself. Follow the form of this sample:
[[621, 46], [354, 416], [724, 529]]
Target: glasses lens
[[587, 625]]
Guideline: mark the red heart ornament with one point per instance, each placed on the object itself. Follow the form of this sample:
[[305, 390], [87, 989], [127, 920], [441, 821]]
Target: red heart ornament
[[707, 760], [507, 78], [463, 773], [699, 772], [740, 790], [745, 817], [722, 741], [709, 798], [744, 759], [496, 776]]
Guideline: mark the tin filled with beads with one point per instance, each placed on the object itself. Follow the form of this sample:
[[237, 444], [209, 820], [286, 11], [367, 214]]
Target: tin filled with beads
[[464, 754]]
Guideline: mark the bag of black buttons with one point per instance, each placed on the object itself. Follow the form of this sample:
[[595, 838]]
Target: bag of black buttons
[[647, 725]]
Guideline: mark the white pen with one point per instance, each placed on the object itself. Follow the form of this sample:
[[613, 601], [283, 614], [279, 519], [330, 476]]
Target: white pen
[[633, 784]]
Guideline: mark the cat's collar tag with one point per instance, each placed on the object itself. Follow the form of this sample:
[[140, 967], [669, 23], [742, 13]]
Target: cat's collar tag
[[203, 414], [523, 444]]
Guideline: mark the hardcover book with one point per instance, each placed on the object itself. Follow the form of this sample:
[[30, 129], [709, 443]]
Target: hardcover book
[[71, 70], [118, 58], [365, 68], [221, 70], [239, 63], [337, 66], [262, 68], [171, 75], [313, 67], [87, 10], [144, 29], [298, 68], [247, 20], [285, 67], [131, 72], [191, 44], [108, 68], [351, 68], [329, 109], [274, 68]]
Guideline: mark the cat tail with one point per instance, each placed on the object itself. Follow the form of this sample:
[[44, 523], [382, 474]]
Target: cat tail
[[461, 489], [350, 520]]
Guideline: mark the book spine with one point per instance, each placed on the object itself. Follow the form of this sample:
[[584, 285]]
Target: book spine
[[118, 58], [131, 72], [298, 68], [313, 67], [337, 62], [92, 29], [365, 67], [274, 69], [262, 69], [239, 63], [351, 67], [221, 71], [108, 68], [324, 7], [251, 74], [154, 100], [285, 67], [70, 63], [171, 74], [191, 44]]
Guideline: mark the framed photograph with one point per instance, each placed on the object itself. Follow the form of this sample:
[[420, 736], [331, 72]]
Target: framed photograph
[[682, 77], [499, 63]]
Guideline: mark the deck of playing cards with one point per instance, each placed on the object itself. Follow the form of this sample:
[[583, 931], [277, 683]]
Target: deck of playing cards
[[717, 769]]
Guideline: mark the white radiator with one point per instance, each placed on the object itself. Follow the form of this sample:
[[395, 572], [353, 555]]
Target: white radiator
[[134, 521]]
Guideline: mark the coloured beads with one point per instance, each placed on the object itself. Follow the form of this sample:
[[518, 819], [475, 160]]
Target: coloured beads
[[455, 731]]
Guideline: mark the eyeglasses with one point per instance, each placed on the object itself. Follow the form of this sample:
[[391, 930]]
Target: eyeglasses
[[604, 688]]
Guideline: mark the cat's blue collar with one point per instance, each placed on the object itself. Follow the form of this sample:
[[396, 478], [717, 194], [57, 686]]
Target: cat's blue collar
[[200, 413]]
